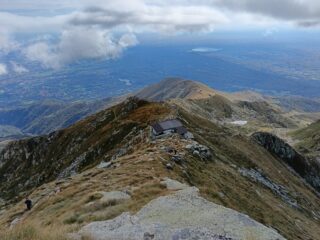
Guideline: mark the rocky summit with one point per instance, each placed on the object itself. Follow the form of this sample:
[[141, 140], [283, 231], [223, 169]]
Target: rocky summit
[[112, 176]]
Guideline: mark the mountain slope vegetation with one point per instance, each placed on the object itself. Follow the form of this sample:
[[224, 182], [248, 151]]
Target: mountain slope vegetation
[[68, 173], [308, 139], [260, 112], [61, 172]]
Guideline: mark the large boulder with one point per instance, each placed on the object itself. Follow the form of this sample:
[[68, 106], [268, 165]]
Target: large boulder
[[199, 150]]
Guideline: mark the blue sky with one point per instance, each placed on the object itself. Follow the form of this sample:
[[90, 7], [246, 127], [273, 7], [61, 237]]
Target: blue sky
[[63, 31]]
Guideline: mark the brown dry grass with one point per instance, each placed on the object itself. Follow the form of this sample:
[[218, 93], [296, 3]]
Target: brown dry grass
[[34, 231], [244, 195], [141, 171]]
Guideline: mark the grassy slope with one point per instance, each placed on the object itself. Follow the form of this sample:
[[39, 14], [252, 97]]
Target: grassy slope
[[250, 197], [35, 161], [141, 170], [308, 138]]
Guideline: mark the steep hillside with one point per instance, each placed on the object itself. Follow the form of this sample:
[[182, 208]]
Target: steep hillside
[[71, 173], [309, 169], [48, 116], [255, 115], [66, 152], [308, 139]]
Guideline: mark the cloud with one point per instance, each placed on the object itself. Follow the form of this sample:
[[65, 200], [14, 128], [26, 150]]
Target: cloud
[[18, 68], [152, 18], [37, 4], [77, 44], [88, 33], [309, 24], [14, 23], [288, 10], [165, 14], [270, 32], [7, 44], [3, 69], [86, 28], [284, 11]]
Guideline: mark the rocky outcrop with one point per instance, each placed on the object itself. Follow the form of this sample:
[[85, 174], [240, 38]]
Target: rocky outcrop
[[183, 215], [277, 189], [199, 150], [307, 168], [104, 164]]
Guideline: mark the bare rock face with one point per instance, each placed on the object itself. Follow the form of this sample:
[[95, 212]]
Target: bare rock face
[[182, 215], [277, 146], [199, 150], [307, 168], [279, 190]]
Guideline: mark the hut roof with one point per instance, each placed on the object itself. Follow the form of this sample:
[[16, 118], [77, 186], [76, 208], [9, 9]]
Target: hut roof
[[167, 125]]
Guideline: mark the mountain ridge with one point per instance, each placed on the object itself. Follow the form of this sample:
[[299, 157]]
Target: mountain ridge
[[176, 88], [241, 174], [70, 173]]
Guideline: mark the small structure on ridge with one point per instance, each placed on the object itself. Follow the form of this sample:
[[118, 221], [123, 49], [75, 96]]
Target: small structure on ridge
[[168, 127]]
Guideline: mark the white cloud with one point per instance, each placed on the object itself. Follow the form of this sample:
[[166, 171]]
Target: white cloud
[[295, 10], [13, 23], [77, 44], [269, 32], [37, 4], [3, 69], [7, 44], [87, 34], [86, 29], [170, 13], [152, 18], [42, 52], [18, 68]]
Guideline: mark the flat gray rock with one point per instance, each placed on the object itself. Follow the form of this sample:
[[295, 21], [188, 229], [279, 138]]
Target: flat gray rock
[[173, 184], [114, 196], [104, 165], [182, 215]]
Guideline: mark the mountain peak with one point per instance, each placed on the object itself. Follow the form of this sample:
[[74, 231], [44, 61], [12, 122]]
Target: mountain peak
[[170, 88]]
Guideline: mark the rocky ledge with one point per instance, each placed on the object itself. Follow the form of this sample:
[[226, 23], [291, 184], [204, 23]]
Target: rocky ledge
[[307, 168], [181, 215]]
